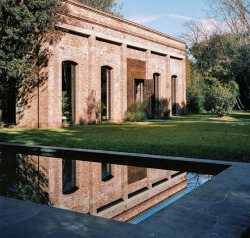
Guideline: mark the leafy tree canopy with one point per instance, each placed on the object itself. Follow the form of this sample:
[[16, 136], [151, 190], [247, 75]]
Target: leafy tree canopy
[[226, 44], [218, 73], [109, 6], [25, 28], [222, 57]]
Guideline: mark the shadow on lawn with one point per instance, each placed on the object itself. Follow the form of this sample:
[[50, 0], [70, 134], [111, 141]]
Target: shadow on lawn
[[211, 141], [241, 116], [235, 116]]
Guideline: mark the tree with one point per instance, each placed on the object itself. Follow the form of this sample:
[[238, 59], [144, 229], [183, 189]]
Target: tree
[[26, 30], [235, 13], [224, 40], [225, 50], [189, 65], [109, 6], [195, 92]]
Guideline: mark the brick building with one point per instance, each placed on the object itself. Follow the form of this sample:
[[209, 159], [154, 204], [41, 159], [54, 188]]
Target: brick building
[[101, 66]]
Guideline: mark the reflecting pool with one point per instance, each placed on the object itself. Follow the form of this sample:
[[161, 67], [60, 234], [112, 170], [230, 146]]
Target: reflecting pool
[[119, 192]]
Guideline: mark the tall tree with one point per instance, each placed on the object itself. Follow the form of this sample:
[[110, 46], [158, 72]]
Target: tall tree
[[236, 15], [26, 27], [225, 42], [109, 6]]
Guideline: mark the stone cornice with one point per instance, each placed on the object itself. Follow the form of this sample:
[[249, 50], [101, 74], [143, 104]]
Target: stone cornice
[[85, 19], [84, 32]]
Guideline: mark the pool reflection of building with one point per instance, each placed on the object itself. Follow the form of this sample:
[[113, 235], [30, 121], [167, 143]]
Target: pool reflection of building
[[112, 191]]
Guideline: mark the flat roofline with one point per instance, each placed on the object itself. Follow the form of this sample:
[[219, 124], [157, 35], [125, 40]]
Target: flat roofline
[[73, 2]]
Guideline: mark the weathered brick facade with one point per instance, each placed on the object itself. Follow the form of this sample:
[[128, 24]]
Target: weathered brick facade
[[130, 192], [95, 39]]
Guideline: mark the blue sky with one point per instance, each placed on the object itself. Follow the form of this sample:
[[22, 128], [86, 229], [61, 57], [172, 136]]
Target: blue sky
[[166, 16]]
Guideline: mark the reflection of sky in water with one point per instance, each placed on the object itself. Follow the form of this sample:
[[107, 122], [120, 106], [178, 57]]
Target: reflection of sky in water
[[194, 181]]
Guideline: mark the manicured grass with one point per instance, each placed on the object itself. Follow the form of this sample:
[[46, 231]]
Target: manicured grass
[[235, 116], [197, 140]]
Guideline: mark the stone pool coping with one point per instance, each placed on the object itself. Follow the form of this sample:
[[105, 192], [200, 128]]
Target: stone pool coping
[[219, 208]]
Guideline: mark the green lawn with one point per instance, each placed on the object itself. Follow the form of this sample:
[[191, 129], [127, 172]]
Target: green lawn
[[235, 116], [197, 140]]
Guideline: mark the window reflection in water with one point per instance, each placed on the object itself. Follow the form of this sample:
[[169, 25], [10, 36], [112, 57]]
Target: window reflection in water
[[69, 176], [106, 171]]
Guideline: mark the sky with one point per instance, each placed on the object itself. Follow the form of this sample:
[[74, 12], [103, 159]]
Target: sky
[[166, 16]]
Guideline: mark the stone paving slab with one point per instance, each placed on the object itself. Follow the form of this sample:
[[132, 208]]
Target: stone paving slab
[[24, 219], [219, 208]]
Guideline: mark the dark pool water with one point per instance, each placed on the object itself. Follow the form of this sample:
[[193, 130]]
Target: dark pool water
[[119, 192]]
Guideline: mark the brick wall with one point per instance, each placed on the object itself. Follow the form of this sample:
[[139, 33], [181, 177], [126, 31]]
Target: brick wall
[[95, 39]]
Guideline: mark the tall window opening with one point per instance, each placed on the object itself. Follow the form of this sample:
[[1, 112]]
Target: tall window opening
[[105, 93], [156, 97], [69, 176], [174, 94], [106, 172], [8, 105], [139, 90], [68, 92]]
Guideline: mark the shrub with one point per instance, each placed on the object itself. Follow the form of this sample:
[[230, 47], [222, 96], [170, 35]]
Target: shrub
[[161, 109], [137, 112], [220, 99], [195, 98]]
